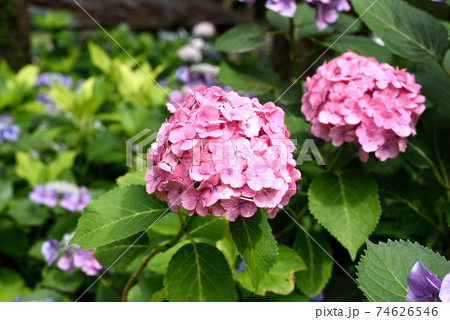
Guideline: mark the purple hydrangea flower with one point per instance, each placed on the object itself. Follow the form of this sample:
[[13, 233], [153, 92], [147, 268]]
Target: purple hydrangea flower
[[74, 199], [73, 256], [444, 295], [423, 285], [47, 101], [319, 298], [327, 11], [86, 262], [286, 8], [46, 79], [41, 195], [49, 250]]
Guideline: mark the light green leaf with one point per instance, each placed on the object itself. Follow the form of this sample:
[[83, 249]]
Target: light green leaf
[[280, 278], [99, 57], [383, 270], [61, 280], [199, 272], [135, 177], [406, 31], [63, 161], [6, 193], [347, 205], [169, 225], [255, 243], [116, 215], [319, 265], [241, 38], [31, 169], [11, 284], [253, 79], [26, 77]]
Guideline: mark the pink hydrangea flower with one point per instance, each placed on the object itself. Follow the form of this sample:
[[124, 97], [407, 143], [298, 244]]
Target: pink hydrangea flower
[[359, 100], [223, 154]]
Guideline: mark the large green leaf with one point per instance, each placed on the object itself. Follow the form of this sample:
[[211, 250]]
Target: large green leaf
[[280, 278], [383, 270], [160, 262], [406, 31], [255, 243], [241, 38], [99, 57], [116, 215], [199, 272], [135, 177], [319, 265], [347, 205], [209, 227]]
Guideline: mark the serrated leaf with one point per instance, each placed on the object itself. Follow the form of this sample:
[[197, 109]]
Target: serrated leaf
[[318, 264], [255, 244], [435, 83], [406, 31], [280, 278], [241, 38], [199, 272], [116, 215], [347, 205], [160, 262], [383, 270]]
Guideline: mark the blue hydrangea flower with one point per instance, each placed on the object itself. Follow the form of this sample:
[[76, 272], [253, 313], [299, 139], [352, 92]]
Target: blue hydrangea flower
[[241, 267], [319, 298], [9, 131], [50, 251], [48, 78], [423, 285]]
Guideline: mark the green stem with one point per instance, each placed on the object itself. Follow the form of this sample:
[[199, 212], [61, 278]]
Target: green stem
[[290, 226]]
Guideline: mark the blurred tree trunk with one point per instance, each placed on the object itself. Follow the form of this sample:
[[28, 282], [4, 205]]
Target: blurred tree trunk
[[14, 36]]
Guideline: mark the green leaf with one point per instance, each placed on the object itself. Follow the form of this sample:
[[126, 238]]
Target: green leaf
[[406, 31], [347, 205], [64, 161], [99, 57], [12, 285], [123, 252], [318, 264], [255, 244], [435, 83], [169, 225], [28, 213], [209, 227], [135, 177], [280, 278], [13, 241], [6, 193], [31, 169], [241, 38], [116, 215], [252, 79], [160, 262], [383, 270], [358, 44], [145, 288], [61, 280], [199, 272], [305, 23]]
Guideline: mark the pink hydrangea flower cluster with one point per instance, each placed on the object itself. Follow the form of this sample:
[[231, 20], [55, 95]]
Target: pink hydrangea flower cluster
[[223, 153], [359, 100]]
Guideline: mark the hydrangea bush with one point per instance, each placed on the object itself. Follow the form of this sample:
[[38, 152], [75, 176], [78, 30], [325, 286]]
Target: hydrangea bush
[[251, 164]]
